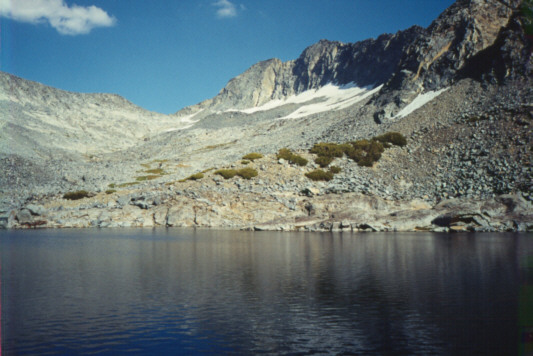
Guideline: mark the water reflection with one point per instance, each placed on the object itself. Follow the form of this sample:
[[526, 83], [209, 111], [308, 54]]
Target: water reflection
[[213, 292]]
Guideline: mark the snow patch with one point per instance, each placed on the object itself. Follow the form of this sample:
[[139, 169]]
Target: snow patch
[[418, 102], [331, 96]]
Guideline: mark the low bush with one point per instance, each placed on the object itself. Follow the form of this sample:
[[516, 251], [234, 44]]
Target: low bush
[[226, 173], [80, 194], [247, 173], [245, 162], [287, 155], [324, 161], [252, 156], [319, 175], [335, 169], [155, 171], [394, 138], [110, 191]]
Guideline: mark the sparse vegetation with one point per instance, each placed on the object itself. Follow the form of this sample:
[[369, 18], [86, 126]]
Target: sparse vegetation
[[245, 162], [293, 158], [144, 178], [319, 175], [80, 194], [112, 185], [364, 152], [252, 156], [110, 191]]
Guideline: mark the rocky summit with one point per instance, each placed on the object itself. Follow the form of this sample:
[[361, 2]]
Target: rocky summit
[[426, 129]]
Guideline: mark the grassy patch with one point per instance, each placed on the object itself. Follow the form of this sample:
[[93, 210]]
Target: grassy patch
[[159, 171], [252, 156], [80, 194], [128, 184], [110, 191], [245, 162], [112, 185], [319, 175], [145, 178]]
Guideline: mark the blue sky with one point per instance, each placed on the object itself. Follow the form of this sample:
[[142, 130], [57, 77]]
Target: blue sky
[[164, 55]]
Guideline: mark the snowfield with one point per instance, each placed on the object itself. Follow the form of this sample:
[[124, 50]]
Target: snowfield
[[330, 97]]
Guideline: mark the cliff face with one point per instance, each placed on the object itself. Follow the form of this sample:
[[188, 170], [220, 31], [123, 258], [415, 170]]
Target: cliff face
[[408, 62]]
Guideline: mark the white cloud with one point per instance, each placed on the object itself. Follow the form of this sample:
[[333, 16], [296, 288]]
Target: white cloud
[[74, 20], [225, 9]]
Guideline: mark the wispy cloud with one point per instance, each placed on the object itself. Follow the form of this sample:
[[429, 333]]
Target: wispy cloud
[[73, 20], [225, 9]]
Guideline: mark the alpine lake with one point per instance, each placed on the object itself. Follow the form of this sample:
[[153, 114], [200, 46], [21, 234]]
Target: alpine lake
[[185, 291]]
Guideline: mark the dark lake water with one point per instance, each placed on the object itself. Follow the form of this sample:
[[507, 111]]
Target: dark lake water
[[219, 292]]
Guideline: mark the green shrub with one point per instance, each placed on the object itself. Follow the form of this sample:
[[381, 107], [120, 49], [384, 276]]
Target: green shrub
[[394, 138], [247, 173], [252, 156], [226, 173], [110, 191], [80, 194], [335, 169], [287, 155], [327, 149], [299, 160], [112, 185], [319, 175], [244, 161], [324, 161]]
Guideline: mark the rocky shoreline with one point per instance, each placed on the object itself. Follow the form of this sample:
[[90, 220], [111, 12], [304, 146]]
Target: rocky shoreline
[[280, 198]]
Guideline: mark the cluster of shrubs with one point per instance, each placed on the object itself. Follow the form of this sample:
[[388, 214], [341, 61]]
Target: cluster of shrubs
[[246, 173], [364, 152], [291, 157]]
